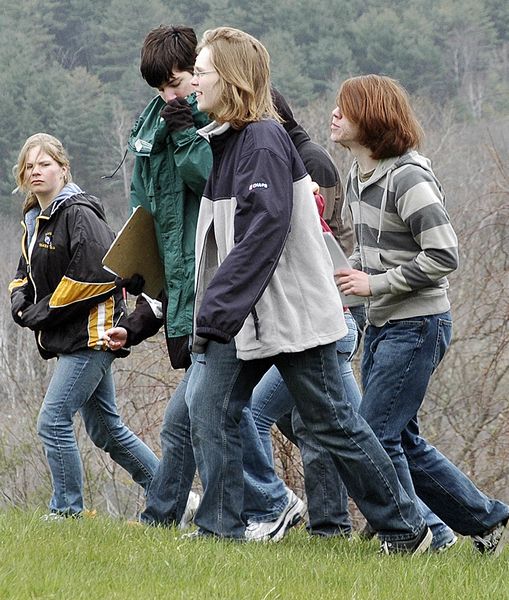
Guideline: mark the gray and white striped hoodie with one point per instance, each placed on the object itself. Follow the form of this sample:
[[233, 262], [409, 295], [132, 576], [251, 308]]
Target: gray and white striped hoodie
[[405, 240]]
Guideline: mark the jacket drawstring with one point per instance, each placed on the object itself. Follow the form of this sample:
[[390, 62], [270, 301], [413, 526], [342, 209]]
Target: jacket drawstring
[[345, 203], [383, 205], [118, 167]]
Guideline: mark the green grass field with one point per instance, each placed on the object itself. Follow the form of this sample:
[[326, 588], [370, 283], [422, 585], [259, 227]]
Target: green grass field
[[103, 558]]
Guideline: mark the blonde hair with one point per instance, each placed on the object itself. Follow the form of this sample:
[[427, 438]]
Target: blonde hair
[[242, 63], [51, 146]]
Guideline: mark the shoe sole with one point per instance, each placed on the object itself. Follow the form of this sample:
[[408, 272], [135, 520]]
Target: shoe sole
[[293, 516], [425, 543], [445, 546], [504, 538]]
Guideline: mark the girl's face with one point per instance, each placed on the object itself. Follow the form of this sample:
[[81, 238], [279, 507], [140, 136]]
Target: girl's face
[[43, 175], [206, 83]]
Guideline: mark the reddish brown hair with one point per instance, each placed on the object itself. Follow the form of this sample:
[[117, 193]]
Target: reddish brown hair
[[381, 109]]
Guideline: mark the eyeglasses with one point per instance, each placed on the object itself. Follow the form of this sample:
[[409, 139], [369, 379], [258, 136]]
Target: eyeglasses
[[198, 74]]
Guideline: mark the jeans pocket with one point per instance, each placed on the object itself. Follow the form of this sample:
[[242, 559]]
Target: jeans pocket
[[444, 336], [347, 345]]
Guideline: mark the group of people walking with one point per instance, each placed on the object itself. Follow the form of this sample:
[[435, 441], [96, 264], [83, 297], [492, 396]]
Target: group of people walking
[[251, 307]]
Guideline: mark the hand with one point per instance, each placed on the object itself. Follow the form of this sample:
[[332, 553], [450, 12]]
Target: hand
[[133, 285], [352, 281], [21, 312], [116, 338], [177, 114], [18, 318]]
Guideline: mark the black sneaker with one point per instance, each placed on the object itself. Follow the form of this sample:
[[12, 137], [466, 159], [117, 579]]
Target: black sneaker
[[494, 540], [417, 545]]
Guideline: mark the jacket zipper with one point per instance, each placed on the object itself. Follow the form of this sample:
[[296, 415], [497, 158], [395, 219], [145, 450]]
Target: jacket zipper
[[256, 323]]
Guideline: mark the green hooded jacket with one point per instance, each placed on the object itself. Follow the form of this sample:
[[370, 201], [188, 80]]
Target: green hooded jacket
[[170, 172]]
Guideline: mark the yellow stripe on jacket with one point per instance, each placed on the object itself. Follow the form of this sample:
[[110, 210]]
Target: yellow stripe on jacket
[[69, 291], [16, 283]]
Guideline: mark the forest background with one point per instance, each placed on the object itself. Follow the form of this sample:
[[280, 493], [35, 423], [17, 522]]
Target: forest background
[[70, 68]]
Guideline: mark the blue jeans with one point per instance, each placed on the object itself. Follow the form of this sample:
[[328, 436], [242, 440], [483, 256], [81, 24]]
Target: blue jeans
[[399, 359], [218, 427], [326, 495], [265, 494], [173, 479], [82, 382], [313, 380]]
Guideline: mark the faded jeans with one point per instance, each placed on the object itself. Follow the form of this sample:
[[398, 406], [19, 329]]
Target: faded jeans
[[265, 493], [82, 382], [173, 479]]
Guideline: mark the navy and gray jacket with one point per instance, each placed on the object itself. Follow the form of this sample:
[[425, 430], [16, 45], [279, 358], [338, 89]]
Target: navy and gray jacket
[[263, 272]]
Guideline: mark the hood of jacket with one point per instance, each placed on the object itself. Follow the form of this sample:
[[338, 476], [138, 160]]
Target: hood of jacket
[[386, 169], [69, 194], [299, 136]]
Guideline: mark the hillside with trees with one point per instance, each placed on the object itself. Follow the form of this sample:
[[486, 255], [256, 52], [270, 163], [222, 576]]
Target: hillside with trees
[[70, 68]]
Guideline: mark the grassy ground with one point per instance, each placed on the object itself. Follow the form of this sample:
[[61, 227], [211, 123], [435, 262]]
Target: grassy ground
[[105, 559]]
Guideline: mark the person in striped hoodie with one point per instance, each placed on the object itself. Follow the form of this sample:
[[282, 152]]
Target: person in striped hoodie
[[406, 247]]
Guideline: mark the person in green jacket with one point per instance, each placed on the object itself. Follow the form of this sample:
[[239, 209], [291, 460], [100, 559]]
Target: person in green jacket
[[171, 167], [172, 164]]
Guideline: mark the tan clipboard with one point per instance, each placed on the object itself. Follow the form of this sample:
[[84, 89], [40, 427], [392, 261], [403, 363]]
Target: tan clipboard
[[135, 250]]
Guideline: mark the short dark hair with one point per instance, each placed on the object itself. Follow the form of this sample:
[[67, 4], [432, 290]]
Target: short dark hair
[[380, 107], [166, 49]]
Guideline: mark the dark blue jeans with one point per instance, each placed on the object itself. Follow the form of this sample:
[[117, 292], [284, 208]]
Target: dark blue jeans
[[398, 361], [326, 495], [173, 478], [315, 384]]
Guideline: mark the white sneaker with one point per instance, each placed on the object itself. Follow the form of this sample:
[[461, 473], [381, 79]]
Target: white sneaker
[[274, 531], [56, 516], [193, 501], [53, 516]]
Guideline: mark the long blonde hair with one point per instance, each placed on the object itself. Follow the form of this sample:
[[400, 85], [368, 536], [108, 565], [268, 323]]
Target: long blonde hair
[[242, 63], [54, 148]]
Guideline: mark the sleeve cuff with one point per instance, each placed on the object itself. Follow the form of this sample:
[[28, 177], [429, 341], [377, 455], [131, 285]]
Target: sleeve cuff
[[215, 335], [379, 284]]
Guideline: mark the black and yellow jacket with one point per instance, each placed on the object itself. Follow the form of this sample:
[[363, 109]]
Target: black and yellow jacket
[[61, 290]]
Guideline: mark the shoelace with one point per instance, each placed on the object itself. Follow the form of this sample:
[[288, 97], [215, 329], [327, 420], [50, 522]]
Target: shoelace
[[489, 540]]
